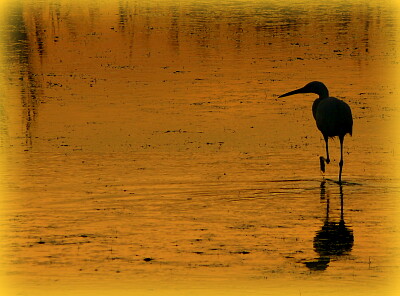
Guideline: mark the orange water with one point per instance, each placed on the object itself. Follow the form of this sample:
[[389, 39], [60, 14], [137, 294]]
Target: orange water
[[145, 150]]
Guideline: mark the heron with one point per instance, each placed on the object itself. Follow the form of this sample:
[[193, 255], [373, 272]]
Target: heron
[[333, 118]]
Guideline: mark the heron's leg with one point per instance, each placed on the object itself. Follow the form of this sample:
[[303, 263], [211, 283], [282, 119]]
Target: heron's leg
[[327, 150], [341, 138], [322, 163], [322, 160]]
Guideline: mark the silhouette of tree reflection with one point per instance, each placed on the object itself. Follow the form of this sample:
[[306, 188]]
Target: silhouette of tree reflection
[[333, 239], [26, 43]]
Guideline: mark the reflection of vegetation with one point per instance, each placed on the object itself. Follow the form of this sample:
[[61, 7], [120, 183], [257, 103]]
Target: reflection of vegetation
[[206, 23], [333, 239], [15, 43], [21, 39], [229, 32], [17, 36]]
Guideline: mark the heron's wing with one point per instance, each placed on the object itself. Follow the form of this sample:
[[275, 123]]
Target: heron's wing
[[333, 117]]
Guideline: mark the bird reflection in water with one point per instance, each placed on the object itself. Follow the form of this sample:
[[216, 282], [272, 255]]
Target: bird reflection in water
[[333, 239]]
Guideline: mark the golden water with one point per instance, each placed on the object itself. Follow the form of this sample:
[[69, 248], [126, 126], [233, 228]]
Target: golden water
[[145, 150]]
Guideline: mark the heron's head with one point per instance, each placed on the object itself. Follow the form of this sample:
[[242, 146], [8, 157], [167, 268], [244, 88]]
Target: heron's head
[[314, 87]]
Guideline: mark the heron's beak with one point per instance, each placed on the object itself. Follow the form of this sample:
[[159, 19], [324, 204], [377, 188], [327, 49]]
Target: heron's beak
[[293, 92]]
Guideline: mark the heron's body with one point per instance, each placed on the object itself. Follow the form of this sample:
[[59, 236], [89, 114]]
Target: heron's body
[[332, 116]]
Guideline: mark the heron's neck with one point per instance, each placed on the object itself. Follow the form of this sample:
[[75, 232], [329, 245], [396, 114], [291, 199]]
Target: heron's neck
[[323, 93], [315, 106]]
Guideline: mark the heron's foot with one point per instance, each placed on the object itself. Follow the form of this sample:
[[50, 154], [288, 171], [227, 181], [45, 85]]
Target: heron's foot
[[322, 163]]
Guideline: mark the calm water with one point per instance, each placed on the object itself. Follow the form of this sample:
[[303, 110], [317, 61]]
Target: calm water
[[145, 150]]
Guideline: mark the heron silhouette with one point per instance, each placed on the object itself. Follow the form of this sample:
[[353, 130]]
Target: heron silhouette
[[333, 118]]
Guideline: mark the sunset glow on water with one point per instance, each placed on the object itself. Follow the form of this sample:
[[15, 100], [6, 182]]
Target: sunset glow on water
[[145, 151]]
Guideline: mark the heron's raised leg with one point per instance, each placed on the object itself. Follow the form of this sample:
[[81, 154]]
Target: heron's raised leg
[[341, 138], [322, 160], [327, 150]]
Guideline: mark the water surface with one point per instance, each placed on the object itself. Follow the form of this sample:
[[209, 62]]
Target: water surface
[[145, 150]]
